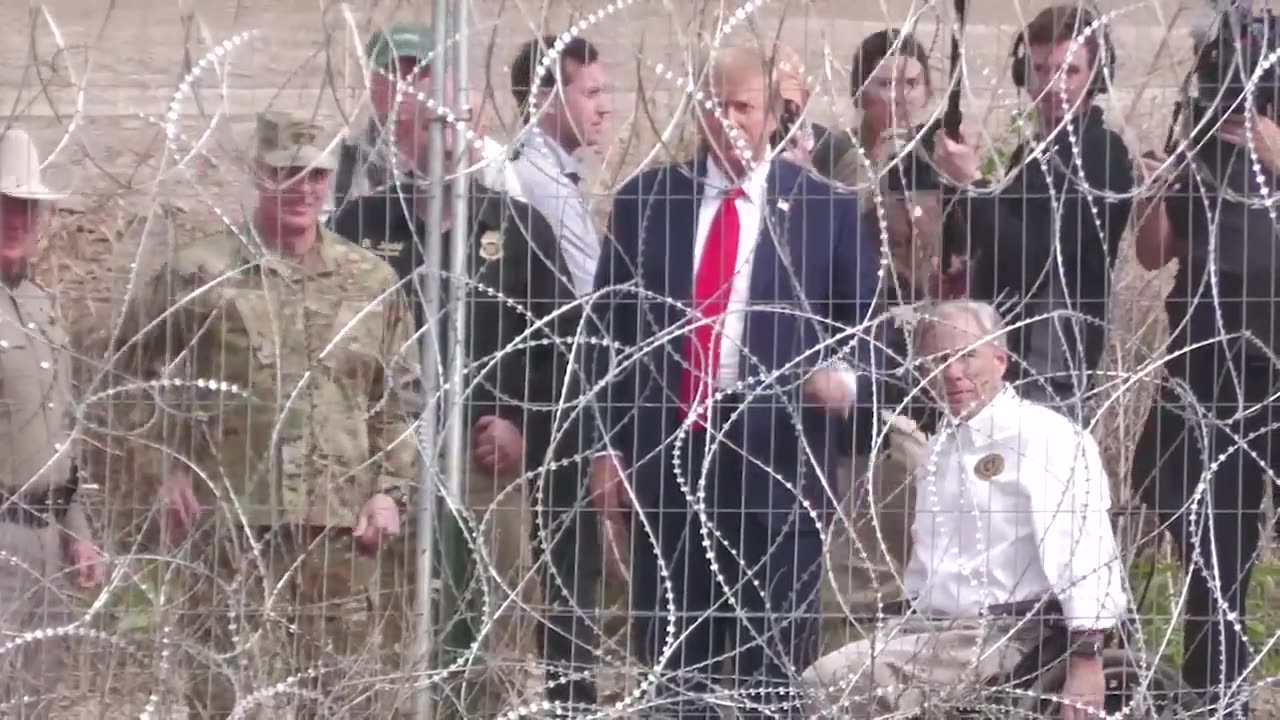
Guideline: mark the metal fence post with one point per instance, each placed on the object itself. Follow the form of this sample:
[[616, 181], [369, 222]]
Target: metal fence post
[[458, 562], [428, 284]]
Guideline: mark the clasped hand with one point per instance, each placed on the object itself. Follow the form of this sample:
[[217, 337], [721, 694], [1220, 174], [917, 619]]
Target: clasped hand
[[378, 519]]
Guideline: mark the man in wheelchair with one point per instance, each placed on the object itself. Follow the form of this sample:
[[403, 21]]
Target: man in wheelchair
[[1011, 517]]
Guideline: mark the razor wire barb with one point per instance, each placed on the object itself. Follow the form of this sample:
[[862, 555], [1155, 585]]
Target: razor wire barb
[[158, 157]]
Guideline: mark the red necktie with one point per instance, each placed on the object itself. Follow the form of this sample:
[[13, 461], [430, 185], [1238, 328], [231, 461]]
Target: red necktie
[[711, 288]]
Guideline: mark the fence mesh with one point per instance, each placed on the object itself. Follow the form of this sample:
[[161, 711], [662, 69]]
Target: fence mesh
[[185, 350]]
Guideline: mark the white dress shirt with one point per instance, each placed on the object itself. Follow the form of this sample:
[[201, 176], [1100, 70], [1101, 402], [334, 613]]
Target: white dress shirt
[[750, 224], [542, 174], [496, 171], [1036, 521], [750, 214]]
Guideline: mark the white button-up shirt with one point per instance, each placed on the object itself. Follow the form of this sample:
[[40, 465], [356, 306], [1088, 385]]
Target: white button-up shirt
[[750, 214], [542, 175], [1012, 505], [750, 223]]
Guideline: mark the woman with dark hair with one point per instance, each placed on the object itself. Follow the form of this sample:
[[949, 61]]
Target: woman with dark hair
[[892, 89]]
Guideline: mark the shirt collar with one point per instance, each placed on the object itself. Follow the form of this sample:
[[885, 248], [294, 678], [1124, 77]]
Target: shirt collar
[[326, 252], [754, 186], [23, 286], [375, 147], [551, 153], [984, 421]]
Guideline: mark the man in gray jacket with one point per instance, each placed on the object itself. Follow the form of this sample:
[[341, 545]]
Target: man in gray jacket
[[42, 524]]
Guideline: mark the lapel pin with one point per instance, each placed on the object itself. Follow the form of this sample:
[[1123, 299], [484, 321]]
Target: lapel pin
[[784, 206], [989, 466]]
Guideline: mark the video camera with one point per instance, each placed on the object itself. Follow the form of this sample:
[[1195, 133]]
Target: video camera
[[1233, 55], [1231, 50]]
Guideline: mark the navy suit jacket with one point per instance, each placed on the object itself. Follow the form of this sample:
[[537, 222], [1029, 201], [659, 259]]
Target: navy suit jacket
[[813, 285]]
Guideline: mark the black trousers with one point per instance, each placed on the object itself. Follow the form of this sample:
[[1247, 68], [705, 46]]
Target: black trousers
[[566, 551], [1203, 463], [724, 601]]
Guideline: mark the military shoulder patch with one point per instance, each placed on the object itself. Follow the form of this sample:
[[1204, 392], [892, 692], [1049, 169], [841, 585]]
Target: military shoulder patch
[[385, 248]]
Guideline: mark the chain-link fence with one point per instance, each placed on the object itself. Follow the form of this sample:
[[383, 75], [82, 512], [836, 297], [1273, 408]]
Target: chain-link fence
[[372, 360]]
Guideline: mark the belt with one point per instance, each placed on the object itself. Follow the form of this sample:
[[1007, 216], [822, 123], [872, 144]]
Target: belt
[[300, 534], [730, 400], [1037, 609], [727, 405], [36, 509]]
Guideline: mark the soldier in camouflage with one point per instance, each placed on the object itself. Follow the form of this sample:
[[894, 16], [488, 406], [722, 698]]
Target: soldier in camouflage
[[280, 351]]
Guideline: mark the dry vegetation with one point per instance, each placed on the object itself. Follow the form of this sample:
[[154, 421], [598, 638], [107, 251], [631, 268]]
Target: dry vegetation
[[90, 257]]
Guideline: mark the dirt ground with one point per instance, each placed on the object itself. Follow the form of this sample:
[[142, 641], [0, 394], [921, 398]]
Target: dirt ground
[[103, 83]]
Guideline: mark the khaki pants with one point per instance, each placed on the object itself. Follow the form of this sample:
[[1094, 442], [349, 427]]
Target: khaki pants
[[912, 663], [870, 539], [30, 600], [493, 600], [297, 606]]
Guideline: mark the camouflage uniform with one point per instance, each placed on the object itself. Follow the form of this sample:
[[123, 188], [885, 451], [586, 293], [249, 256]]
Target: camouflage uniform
[[288, 408]]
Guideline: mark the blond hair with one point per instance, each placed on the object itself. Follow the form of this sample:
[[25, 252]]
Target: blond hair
[[789, 73], [735, 64]]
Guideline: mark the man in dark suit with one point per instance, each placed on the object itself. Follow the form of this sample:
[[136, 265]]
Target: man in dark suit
[[729, 298], [522, 317]]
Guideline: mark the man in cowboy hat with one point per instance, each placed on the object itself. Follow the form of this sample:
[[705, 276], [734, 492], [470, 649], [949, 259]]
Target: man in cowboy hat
[[281, 473], [41, 522]]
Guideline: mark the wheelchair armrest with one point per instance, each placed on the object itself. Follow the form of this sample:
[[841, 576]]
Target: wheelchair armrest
[[1045, 608], [895, 608], [890, 608]]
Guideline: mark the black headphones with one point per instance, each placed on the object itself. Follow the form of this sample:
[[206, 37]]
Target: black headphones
[[1102, 71]]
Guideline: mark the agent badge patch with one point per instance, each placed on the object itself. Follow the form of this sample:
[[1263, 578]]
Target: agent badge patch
[[989, 466], [491, 245]]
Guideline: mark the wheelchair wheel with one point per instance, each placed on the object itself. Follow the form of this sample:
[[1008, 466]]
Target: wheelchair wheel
[[1137, 687]]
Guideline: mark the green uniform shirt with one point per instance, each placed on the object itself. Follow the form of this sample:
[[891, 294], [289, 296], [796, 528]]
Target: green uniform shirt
[[304, 422]]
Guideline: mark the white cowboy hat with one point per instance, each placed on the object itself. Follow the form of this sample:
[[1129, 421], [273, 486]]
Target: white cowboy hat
[[20, 168]]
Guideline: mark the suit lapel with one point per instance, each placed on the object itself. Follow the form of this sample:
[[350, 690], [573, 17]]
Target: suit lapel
[[680, 216], [768, 279]]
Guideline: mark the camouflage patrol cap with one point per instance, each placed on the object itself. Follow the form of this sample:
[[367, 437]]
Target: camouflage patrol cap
[[402, 40], [288, 140]]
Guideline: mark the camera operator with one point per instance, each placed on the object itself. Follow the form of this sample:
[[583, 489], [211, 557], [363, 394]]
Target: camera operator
[[1205, 208], [1047, 241]]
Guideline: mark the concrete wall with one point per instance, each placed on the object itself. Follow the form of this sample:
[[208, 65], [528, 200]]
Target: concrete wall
[[121, 62]]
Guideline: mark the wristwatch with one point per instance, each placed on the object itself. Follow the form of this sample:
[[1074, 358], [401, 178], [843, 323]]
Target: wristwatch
[[1086, 645]]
